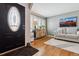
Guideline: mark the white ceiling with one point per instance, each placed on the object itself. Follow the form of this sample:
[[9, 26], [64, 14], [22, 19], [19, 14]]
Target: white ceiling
[[52, 9]]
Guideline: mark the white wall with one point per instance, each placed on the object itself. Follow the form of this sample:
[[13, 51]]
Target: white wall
[[53, 22]]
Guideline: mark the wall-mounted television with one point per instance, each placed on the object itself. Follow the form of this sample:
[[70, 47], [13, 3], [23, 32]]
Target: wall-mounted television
[[68, 22]]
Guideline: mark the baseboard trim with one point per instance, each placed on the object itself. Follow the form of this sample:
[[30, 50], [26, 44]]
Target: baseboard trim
[[39, 37], [66, 40]]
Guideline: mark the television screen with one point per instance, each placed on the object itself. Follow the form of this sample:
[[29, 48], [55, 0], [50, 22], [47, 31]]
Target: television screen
[[68, 22]]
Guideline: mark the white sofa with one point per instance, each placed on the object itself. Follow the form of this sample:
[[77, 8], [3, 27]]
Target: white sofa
[[68, 37]]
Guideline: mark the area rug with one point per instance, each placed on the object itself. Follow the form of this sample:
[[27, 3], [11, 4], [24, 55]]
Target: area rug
[[25, 51], [69, 46], [60, 43]]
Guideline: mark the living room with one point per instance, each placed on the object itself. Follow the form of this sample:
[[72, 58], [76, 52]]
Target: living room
[[56, 15], [39, 29]]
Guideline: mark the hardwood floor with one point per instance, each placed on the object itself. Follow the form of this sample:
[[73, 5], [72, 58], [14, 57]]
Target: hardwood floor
[[50, 50], [40, 42]]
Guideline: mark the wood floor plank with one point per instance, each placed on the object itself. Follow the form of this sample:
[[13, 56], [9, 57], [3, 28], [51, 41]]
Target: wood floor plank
[[51, 50]]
